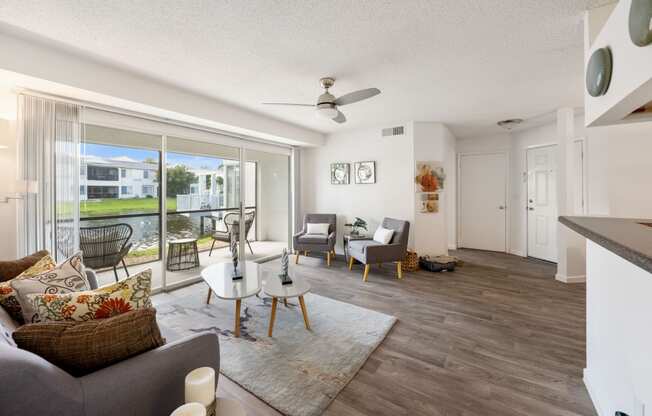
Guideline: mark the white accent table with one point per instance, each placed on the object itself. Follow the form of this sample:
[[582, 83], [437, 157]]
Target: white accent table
[[272, 287], [218, 277]]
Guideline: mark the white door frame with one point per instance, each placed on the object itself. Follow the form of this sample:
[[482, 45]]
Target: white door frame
[[526, 193], [505, 153]]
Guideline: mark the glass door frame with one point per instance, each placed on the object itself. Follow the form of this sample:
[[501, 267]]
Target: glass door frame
[[164, 128]]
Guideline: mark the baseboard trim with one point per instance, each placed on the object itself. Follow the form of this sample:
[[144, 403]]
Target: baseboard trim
[[592, 393], [571, 279], [517, 253], [452, 246]]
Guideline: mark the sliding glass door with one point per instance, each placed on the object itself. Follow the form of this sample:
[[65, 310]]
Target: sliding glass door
[[174, 204], [120, 203], [203, 195]]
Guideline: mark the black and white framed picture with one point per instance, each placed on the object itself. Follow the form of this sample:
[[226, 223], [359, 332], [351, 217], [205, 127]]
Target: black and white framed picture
[[365, 172], [340, 173]]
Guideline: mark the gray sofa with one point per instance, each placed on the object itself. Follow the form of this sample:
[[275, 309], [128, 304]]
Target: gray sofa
[[306, 243], [370, 252], [147, 384]]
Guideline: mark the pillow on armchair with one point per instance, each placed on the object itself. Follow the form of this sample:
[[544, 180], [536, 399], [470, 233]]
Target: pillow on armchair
[[321, 229], [383, 235], [83, 347]]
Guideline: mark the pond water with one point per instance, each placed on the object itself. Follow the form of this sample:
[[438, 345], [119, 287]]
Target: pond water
[[146, 229]]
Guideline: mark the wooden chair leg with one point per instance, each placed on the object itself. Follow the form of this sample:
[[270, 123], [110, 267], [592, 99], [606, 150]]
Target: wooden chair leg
[[350, 263], [399, 270], [366, 272], [296, 258], [328, 258]]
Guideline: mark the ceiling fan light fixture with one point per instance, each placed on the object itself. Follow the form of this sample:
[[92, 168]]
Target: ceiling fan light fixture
[[327, 111]]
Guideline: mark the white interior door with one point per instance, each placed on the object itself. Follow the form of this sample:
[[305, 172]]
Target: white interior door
[[483, 195], [542, 203]]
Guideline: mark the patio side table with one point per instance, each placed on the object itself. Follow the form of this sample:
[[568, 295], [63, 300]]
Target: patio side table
[[182, 254]]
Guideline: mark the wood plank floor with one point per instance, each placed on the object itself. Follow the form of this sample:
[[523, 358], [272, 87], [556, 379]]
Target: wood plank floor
[[497, 337]]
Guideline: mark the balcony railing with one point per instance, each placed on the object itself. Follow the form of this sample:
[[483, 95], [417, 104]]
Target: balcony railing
[[147, 244]]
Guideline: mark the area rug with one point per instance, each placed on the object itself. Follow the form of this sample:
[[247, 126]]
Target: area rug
[[298, 372]]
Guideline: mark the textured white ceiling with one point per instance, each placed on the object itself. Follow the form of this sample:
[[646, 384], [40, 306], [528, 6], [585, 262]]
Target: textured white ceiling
[[467, 63]]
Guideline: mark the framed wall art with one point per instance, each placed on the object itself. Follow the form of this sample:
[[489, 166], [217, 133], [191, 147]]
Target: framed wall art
[[340, 173], [364, 172]]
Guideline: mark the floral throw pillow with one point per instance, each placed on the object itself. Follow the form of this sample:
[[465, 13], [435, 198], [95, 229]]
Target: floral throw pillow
[[126, 295], [66, 277], [9, 297]]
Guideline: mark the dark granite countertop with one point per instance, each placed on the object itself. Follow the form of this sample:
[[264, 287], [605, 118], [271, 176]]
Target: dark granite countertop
[[625, 237]]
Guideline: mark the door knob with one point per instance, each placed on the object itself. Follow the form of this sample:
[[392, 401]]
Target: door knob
[[501, 207], [530, 208]]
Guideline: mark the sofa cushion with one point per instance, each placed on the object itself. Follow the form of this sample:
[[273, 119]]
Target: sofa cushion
[[83, 347], [357, 248], [104, 302], [5, 336], [11, 269], [66, 277], [9, 297], [313, 239]]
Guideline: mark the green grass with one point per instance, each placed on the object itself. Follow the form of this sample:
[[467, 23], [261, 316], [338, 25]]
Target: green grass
[[100, 207]]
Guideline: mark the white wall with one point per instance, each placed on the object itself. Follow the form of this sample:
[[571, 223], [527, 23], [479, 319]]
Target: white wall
[[618, 172], [391, 196], [273, 195], [619, 177], [436, 233], [7, 173]]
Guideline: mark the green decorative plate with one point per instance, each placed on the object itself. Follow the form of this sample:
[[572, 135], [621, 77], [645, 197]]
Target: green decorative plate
[[598, 72], [640, 15]]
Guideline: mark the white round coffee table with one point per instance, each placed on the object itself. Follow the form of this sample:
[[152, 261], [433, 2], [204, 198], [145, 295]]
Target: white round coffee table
[[272, 287], [219, 278]]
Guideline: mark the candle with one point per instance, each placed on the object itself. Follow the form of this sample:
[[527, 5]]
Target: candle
[[190, 409], [200, 386]]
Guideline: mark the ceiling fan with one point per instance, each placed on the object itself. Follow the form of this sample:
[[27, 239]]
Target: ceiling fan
[[327, 104]]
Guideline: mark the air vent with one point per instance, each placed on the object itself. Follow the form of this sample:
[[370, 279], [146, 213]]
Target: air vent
[[393, 131]]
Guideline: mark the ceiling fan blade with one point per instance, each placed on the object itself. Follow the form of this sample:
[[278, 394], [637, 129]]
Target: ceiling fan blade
[[340, 118], [355, 96], [292, 104]]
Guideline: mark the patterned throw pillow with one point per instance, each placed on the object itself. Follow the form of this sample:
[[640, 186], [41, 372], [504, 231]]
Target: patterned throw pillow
[[104, 302], [67, 277], [8, 296]]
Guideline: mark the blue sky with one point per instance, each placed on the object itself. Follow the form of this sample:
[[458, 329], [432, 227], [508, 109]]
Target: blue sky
[[195, 162]]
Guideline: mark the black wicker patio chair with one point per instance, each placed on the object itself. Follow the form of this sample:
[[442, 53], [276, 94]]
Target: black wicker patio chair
[[105, 246]]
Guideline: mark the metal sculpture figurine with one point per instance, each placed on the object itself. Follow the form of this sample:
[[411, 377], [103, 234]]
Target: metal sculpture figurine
[[234, 257], [285, 261]]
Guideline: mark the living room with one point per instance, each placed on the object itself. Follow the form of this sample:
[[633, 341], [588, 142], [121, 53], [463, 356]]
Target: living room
[[342, 208]]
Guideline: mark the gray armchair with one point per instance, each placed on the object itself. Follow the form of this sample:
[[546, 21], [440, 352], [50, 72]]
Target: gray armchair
[[369, 251], [306, 243], [148, 384]]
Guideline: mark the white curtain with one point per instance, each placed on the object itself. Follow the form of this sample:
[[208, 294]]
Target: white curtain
[[49, 138]]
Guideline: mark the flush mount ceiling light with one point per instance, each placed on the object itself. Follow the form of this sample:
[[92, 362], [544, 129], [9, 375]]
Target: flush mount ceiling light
[[510, 123], [327, 103]]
